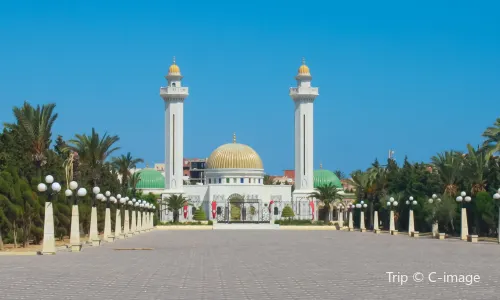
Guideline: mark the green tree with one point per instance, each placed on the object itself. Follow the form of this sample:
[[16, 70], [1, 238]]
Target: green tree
[[123, 164], [492, 143], [483, 209], [35, 127], [199, 214], [287, 213], [268, 180], [475, 169], [327, 194], [176, 203], [448, 166], [133, 181], [93, 151], [339, 174]]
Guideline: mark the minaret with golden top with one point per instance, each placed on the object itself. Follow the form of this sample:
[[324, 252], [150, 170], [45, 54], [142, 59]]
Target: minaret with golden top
[[303, 97], [173, 95]]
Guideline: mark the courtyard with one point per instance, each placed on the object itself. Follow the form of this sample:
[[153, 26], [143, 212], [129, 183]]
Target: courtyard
[[257, 264]]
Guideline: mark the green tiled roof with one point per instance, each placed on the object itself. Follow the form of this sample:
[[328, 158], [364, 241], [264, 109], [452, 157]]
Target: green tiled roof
[[151, 179], [325, 177]]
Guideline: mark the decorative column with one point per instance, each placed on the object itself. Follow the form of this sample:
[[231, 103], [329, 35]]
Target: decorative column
[[93, 232], [52, 188], [74, 240], [391, 222], [375, 222], [118, 219], [108, 237], [341, 216], [126, 223], [133, 229], [303, 97], [411, 223], [391, 204], [351, 223], [464, 230]]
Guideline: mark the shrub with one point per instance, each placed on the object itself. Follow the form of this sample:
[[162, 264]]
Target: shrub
[[199, 215], [287, 212]]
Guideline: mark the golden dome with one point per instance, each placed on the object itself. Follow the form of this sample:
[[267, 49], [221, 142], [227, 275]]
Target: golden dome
[[303, 69], [234, 156], [174, 68]]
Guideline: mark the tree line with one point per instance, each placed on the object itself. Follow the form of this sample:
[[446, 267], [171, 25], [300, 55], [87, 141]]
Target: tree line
[[27, 154]]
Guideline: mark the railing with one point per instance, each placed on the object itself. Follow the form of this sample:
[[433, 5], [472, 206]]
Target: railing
[[304, 90], [174, 90]]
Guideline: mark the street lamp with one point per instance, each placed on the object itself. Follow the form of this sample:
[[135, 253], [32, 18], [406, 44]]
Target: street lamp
[[51, 188], [118, 218], [138, 224], [464, 230], [74, 239], [108, 237], [121, 201], [411, 223], [496, 196], [361, 206], [391, 204], [93, 233], [434, 199]]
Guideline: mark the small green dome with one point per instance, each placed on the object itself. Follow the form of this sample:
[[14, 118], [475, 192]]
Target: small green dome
[[150, 179], [325, 177]]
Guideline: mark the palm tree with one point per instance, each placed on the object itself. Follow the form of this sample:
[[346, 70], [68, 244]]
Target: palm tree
[[448, 165], [133, 181], [492, 143], [268, 180], [35, 125], [93, 151], [327, 194], [476, 169], [123, 164], [176, 203]]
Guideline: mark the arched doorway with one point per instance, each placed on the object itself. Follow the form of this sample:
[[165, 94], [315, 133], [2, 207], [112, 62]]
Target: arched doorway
[[241, 210]]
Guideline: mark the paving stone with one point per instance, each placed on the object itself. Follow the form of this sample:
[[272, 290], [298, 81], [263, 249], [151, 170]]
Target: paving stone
[[255, 265]]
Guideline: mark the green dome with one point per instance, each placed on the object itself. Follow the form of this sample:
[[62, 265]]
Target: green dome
[[150, 179], [325, 177]]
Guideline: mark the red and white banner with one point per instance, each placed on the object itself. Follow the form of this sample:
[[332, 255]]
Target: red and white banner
[[270, 203], [214, 209], [185, 211], [311, 204]]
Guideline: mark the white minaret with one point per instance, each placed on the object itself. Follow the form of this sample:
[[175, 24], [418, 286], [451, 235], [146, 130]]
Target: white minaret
[[173, 95], [303, 96]]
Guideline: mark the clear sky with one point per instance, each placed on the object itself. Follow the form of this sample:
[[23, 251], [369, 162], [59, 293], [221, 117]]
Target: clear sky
[[418, 77]]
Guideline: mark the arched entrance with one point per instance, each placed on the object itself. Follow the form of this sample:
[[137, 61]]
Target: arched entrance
[[241, 210]]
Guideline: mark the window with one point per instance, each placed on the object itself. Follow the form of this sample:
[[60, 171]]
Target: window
[[259, 180], [173, 84], [242, 180], [209, 180], [220, 180], [227, 180], [219, 210], [234, 180], [275, 211], [193, 210]]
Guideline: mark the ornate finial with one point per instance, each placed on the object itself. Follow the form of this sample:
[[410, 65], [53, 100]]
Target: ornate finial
[[234, 137], [320, 165], [303, 60], [173, 61]]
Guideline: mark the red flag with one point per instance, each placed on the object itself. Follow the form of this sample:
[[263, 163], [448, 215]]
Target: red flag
[[270, 203], [185, 211], [214, 209], [311, 204]]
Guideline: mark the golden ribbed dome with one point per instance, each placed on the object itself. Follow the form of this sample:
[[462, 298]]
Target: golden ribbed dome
[[234, 156], [174, 68], [303, 69]]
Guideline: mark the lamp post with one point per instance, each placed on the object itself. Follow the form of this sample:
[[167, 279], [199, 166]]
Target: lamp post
[[138, 224], [133, 226], [376, 228], [118, 218], [108, 237], [153, 212], [362, 205], [74, 240], [340, 209], [141, 215], [496, 196], [411, 221], [146, 216], [391, 204], [51, 188], [351, 223], [464, 227], [435, 226], [93, 232], [126, 222]]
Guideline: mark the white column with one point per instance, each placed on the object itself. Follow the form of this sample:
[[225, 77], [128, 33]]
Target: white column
[[107, 226], [126, 223], [375, 220], [139, 221], [271, 213], [351, 225], [74, 239], [49, 241], [362, 220], [134, 223], [464, 231], [93, 233], [341, 218], [118, 223], [411, 224], [391, 221], [174, 95]]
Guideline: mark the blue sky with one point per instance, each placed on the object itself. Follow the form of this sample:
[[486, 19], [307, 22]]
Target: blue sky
[[419, 77]]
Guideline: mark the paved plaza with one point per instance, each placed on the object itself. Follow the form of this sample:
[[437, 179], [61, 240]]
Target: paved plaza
[[266, 264]]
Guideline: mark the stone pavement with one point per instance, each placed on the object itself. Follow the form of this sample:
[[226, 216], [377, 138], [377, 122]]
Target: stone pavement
[[267, 264]]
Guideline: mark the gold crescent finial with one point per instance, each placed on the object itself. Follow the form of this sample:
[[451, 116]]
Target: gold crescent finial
[[174, 60], [234, 137], [303, 60], [320, 165]]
